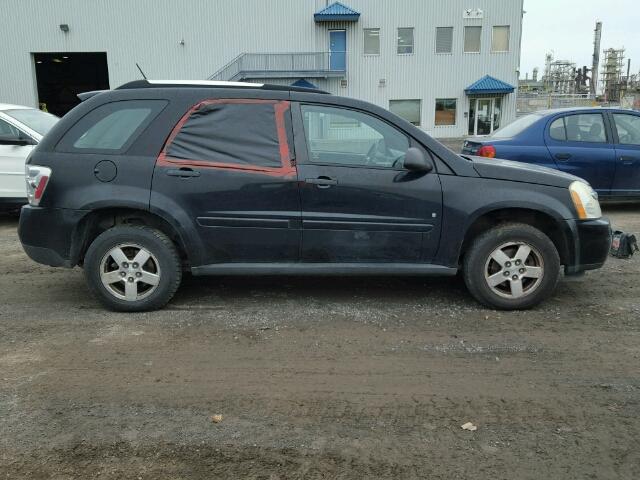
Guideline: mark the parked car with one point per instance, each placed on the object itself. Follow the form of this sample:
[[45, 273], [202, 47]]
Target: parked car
[[139, 184], [600, 145], [20, 129]]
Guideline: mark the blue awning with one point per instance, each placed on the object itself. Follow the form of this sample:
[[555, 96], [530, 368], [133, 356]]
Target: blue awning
[[303, 83], [488, 84], [336, 12]]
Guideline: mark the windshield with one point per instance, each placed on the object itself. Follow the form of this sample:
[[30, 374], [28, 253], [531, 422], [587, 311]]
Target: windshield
[[516, 127], [36, 120]]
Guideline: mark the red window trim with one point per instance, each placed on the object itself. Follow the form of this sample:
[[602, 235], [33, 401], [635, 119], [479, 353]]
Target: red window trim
[[280, 108]]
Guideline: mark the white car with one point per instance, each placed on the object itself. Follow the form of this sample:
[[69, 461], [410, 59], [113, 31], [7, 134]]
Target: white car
[[21, 128]]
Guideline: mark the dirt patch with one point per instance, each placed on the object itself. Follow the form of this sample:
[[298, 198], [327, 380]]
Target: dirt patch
[[319, 378]]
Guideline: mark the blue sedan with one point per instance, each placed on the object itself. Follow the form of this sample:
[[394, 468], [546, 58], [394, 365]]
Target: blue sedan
[[601, 145]]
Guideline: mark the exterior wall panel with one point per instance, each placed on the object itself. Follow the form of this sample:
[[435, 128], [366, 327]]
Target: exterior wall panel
[[214, 32]]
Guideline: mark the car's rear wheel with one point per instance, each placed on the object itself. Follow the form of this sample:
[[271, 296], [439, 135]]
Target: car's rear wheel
[[512, 266], [133, 268]]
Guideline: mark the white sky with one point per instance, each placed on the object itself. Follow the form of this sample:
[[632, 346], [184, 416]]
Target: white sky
[[566, 28]]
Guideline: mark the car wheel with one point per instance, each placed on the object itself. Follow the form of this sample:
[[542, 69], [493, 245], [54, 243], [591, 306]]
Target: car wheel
[[511, 267], [133, 268]]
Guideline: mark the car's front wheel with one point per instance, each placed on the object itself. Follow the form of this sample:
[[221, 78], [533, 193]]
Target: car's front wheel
[[133, 268], [511, 266]]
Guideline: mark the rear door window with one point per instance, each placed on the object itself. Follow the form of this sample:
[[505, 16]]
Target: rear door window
[[628, 128], [557, 130], [583, 127], [234, 132], [112, 127]]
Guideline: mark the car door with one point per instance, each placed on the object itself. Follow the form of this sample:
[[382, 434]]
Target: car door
[[627, 132], [15, 147], [228, 166], [581, 144], [359, 205]]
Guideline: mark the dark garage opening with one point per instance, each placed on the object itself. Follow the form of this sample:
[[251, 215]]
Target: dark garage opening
[[61, 76]]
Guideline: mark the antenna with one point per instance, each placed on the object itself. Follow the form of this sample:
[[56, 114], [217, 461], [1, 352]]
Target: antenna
[[143, 75]]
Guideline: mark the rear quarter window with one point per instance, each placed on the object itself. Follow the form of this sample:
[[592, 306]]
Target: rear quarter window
[[111, 127]]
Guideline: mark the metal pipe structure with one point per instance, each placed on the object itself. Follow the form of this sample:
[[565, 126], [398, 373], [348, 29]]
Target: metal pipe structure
[[596, 57]]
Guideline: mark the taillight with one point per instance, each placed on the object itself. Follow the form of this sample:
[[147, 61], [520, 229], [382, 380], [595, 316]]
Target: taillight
[[488, 151], [37, 180]]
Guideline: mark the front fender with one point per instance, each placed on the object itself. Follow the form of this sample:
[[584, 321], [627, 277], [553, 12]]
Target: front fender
[[467, 199]]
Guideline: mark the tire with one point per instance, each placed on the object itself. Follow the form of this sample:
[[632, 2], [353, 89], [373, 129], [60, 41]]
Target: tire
[[501, 254], [113, 273]]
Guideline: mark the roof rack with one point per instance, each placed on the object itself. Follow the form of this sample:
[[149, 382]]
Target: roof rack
[[213, 84]]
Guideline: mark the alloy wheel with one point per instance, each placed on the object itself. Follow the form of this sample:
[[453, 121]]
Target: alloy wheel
[[130, 272], [514, 270]]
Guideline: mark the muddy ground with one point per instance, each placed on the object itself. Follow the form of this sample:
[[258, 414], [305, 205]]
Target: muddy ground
[[319, 378]]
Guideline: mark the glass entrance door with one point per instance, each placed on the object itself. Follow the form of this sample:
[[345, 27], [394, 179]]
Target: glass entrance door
[[484, 115]]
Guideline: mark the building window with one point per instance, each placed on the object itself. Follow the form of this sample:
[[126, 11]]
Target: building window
[[444, 39], [472, 39], [445, 111], [407, 109], [500, 39], [405, 41], [372, 41]]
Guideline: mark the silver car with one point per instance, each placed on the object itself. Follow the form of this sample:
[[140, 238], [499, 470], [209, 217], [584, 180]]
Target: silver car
[[21, 128]]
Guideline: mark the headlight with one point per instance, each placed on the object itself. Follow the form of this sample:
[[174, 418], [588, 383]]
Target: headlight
[[585, 199]]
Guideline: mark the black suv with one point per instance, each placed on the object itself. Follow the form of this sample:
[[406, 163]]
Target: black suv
[[142, 183]]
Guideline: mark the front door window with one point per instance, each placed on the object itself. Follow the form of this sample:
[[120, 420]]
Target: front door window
[[484, 115], [351, 138]]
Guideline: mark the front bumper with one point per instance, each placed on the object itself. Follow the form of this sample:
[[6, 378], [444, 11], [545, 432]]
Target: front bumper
[[592, 243], [47, 234]]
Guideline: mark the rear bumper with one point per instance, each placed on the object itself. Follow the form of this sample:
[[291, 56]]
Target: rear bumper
[[46, 234], [592, 243]]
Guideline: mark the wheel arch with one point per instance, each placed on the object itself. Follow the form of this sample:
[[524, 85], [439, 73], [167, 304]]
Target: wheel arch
[[551, 226], [100, 220]]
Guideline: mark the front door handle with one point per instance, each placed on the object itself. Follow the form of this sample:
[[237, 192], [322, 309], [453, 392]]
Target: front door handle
[[183, 172], [563, 157], [322, 182], [627, 160]]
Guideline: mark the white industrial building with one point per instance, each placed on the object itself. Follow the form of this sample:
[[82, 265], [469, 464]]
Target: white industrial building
[[449, 66]]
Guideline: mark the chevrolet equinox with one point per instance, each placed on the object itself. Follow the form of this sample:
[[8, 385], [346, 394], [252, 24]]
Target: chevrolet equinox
[[139, 184]]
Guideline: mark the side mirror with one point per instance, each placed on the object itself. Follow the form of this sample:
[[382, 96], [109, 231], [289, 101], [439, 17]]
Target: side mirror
[[416, 161]]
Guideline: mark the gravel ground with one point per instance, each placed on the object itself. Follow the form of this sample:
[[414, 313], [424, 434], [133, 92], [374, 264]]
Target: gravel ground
[[319, 378]]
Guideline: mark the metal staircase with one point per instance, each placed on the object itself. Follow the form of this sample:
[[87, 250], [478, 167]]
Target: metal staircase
[[283, 65]]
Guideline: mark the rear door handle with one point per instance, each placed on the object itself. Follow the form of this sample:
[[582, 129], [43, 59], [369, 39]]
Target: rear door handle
[[322, 182], [183, 172], [563, 156], [627, 160]]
